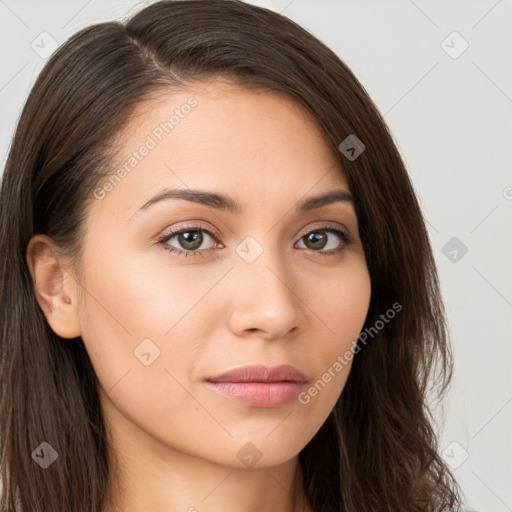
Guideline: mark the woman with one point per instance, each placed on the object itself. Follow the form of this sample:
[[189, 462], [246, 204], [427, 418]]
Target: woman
[[287, 367]]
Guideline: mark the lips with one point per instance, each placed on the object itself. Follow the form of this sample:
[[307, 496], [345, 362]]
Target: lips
[[261, 373], [259, 385]]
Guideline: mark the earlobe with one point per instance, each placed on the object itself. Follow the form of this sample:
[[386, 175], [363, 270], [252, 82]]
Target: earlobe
[[54, 287]]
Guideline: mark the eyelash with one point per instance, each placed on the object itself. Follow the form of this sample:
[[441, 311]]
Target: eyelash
[[172, 233]]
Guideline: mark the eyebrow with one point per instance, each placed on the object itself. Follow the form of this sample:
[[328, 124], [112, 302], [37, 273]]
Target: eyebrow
[[227, 203]]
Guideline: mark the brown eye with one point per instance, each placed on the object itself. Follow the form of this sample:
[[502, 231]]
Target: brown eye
[[189, 240], [319, 239]]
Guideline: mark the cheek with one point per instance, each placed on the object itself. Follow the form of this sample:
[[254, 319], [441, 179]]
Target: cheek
[[140, 296], [132, 309], [340, 300], [341, 306], [141, 332]]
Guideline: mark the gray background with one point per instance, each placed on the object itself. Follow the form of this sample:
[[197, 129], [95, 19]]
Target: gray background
[[450, 113]]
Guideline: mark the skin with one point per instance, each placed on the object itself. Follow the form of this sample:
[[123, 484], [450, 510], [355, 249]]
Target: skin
[[176, 440]]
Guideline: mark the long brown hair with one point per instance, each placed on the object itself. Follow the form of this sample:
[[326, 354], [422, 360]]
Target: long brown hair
[[377, 451]]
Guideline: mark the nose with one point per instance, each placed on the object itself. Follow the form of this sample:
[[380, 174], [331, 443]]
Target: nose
[[266, 300]]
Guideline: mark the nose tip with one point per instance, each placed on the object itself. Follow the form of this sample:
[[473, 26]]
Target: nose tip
[[264, 302]]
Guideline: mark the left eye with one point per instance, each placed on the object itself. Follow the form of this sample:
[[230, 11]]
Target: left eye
[[319, 239]]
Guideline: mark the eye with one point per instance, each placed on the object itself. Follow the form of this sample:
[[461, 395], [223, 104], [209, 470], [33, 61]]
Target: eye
[[190, 238], [323, 240]]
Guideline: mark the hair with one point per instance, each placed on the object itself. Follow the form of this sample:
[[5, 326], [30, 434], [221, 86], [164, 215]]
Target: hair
[[377, 450]]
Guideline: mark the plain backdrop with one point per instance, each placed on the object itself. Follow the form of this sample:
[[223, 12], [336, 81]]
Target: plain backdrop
[[440, 72]]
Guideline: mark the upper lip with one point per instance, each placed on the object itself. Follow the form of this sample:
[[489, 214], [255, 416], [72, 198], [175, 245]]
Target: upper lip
[[261, 373]]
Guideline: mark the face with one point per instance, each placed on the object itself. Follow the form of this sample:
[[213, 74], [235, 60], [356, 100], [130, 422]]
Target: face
[[178, 291]]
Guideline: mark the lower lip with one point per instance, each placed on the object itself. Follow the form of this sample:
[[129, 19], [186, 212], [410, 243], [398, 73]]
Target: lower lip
[[259, 394]]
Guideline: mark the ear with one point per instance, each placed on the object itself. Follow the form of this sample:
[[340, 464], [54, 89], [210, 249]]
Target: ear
[[54, 287]]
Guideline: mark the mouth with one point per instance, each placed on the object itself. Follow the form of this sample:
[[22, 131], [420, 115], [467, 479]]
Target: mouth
[[259, 385]]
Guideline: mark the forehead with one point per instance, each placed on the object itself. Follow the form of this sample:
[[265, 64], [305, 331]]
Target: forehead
[[250, 144]]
